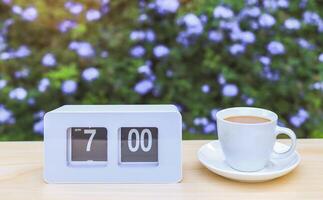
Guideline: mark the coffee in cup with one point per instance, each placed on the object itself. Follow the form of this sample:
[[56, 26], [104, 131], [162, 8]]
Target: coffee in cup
[[247, 136], [247, 119]]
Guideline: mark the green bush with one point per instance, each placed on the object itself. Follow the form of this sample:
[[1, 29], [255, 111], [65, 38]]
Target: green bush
[[200, 55]]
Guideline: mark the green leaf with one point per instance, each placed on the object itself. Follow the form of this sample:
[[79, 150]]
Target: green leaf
[[64, 72], [79, 31]]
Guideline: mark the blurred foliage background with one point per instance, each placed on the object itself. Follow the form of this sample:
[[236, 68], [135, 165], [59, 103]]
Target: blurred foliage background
[[201, 56]]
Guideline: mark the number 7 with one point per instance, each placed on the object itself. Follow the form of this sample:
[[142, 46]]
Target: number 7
[[89, 143]]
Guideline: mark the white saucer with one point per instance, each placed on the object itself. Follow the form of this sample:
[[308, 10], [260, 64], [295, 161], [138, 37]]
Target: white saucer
[[211, 156]]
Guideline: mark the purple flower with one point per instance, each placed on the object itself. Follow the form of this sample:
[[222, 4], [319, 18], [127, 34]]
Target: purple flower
[[144, 69], [150, 35], [93, 15], [6, 24], [192, 130], [6, 56], [205, 88], [236, 49], [39, 115], [221, 79], [222, 12], [200, 121], [230, 90], [104, 54], [182, 38], [270, 4], [148, 62], [266, 20], [22, 73], [292, 24], [73, 45], [295, 121], [90, 74], [143, 87], [305, 44], [231, 25], [235, 34], [3, 83], [275, 4], [29, 14], [248, 37], [209, 128], [310, 17], [298, 119], [270, 74], [251, 2], [166, 6], [276, 48], [244, 36], [5, 115], [169, 73], [48, 60], [283, 3], [43, 84], [39, 127], [105, 2], [250, 101], [254, 25], [22, 51], [142, 18], [31, 101], [74, 8], [303, 113], [192, 23], [317, 86], [265, 60], [83, 49], [6, 2], [66, 25], [17, 9], [320, 26], [320, 58], [152, 77], [203, 18], [105, 6], [215, 36], [213, 113], [69, 87], [302, 4], [142, 4], [3, 44], [252, 11], [161, 51], [137, 35], [18, 94], [137, 51]]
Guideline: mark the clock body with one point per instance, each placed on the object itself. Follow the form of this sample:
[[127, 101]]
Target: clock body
[[113, 144]]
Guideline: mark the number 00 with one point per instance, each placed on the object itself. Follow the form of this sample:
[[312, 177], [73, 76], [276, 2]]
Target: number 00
[[140, 140]]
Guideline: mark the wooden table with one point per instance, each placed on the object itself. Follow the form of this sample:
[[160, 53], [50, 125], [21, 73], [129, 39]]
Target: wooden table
[[21, 178]]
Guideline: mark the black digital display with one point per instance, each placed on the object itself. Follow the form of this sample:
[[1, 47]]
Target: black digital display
[[139, 144], [88, 144]]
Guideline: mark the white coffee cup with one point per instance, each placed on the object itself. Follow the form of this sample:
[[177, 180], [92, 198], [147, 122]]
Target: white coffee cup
[[249, 147]]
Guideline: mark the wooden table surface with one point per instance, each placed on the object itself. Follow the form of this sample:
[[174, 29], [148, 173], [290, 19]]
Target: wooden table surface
[[21, 178]]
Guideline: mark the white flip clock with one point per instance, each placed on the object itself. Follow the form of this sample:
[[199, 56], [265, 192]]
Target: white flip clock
[[113, 144]]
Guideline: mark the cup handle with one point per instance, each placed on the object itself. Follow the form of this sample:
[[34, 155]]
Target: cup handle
[[292, 136]]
